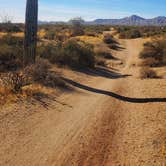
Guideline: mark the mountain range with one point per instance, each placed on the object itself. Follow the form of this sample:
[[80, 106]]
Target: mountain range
[[132, 20]]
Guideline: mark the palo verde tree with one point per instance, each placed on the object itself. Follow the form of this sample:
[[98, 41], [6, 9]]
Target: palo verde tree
[[31, 26]]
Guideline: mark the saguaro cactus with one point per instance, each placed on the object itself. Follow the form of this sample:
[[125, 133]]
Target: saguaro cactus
[[31, 26]]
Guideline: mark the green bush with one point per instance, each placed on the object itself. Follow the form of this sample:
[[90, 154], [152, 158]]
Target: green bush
[[96, 29], [156, 50], [11, 53], [71, 53], [130, 32]]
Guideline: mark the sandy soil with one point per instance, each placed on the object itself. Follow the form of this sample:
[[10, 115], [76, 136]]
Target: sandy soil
[[111, 119]]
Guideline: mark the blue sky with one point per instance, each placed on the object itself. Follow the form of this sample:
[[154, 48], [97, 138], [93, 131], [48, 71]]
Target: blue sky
[[88, 9]]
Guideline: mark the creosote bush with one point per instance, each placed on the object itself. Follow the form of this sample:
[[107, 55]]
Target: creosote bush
[[70, 53], [11, 53], [156, 51], [40, 73], [151, 62]]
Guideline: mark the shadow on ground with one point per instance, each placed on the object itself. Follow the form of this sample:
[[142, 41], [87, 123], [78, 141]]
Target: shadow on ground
[[114, 95], [116, 46], [45, 100], [103, 72]]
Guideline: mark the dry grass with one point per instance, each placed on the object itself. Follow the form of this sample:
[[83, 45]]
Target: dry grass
[[41, 34], [34, 80], [90, 39], [28, 92]]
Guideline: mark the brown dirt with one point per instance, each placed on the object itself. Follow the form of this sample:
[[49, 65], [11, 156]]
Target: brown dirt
[[111, 119]]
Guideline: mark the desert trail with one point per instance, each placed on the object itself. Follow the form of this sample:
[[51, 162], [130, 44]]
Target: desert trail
[[112, 118]]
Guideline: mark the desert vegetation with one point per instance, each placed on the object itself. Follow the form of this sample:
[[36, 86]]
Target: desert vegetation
[[132, 32], [154, 52], [18, 59], [82, 92], [70, 53], [60, 45], [11, 53], [153, 55], [74, 45], [27, 65]]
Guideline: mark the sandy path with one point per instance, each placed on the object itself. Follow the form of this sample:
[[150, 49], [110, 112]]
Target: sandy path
[[92, 126]]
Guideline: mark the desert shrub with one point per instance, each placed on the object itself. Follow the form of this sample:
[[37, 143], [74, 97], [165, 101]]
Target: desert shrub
[[134, 34], [151, 62], [129, 32], [11, 53], [51, 52], [10, 57], [11, 40], [50, 35], [11, 27], [37, 71], [155, 50], [13, 81], [78, 55], [40, 73], [160, 46], [108, 39], [146, 73], [96, 29], [149, 52], [70, 53]]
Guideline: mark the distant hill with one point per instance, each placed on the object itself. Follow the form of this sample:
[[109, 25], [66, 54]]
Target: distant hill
[[132, 20]]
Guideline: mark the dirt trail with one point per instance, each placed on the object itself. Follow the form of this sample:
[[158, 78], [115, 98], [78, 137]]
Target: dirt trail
[[111, 120]]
